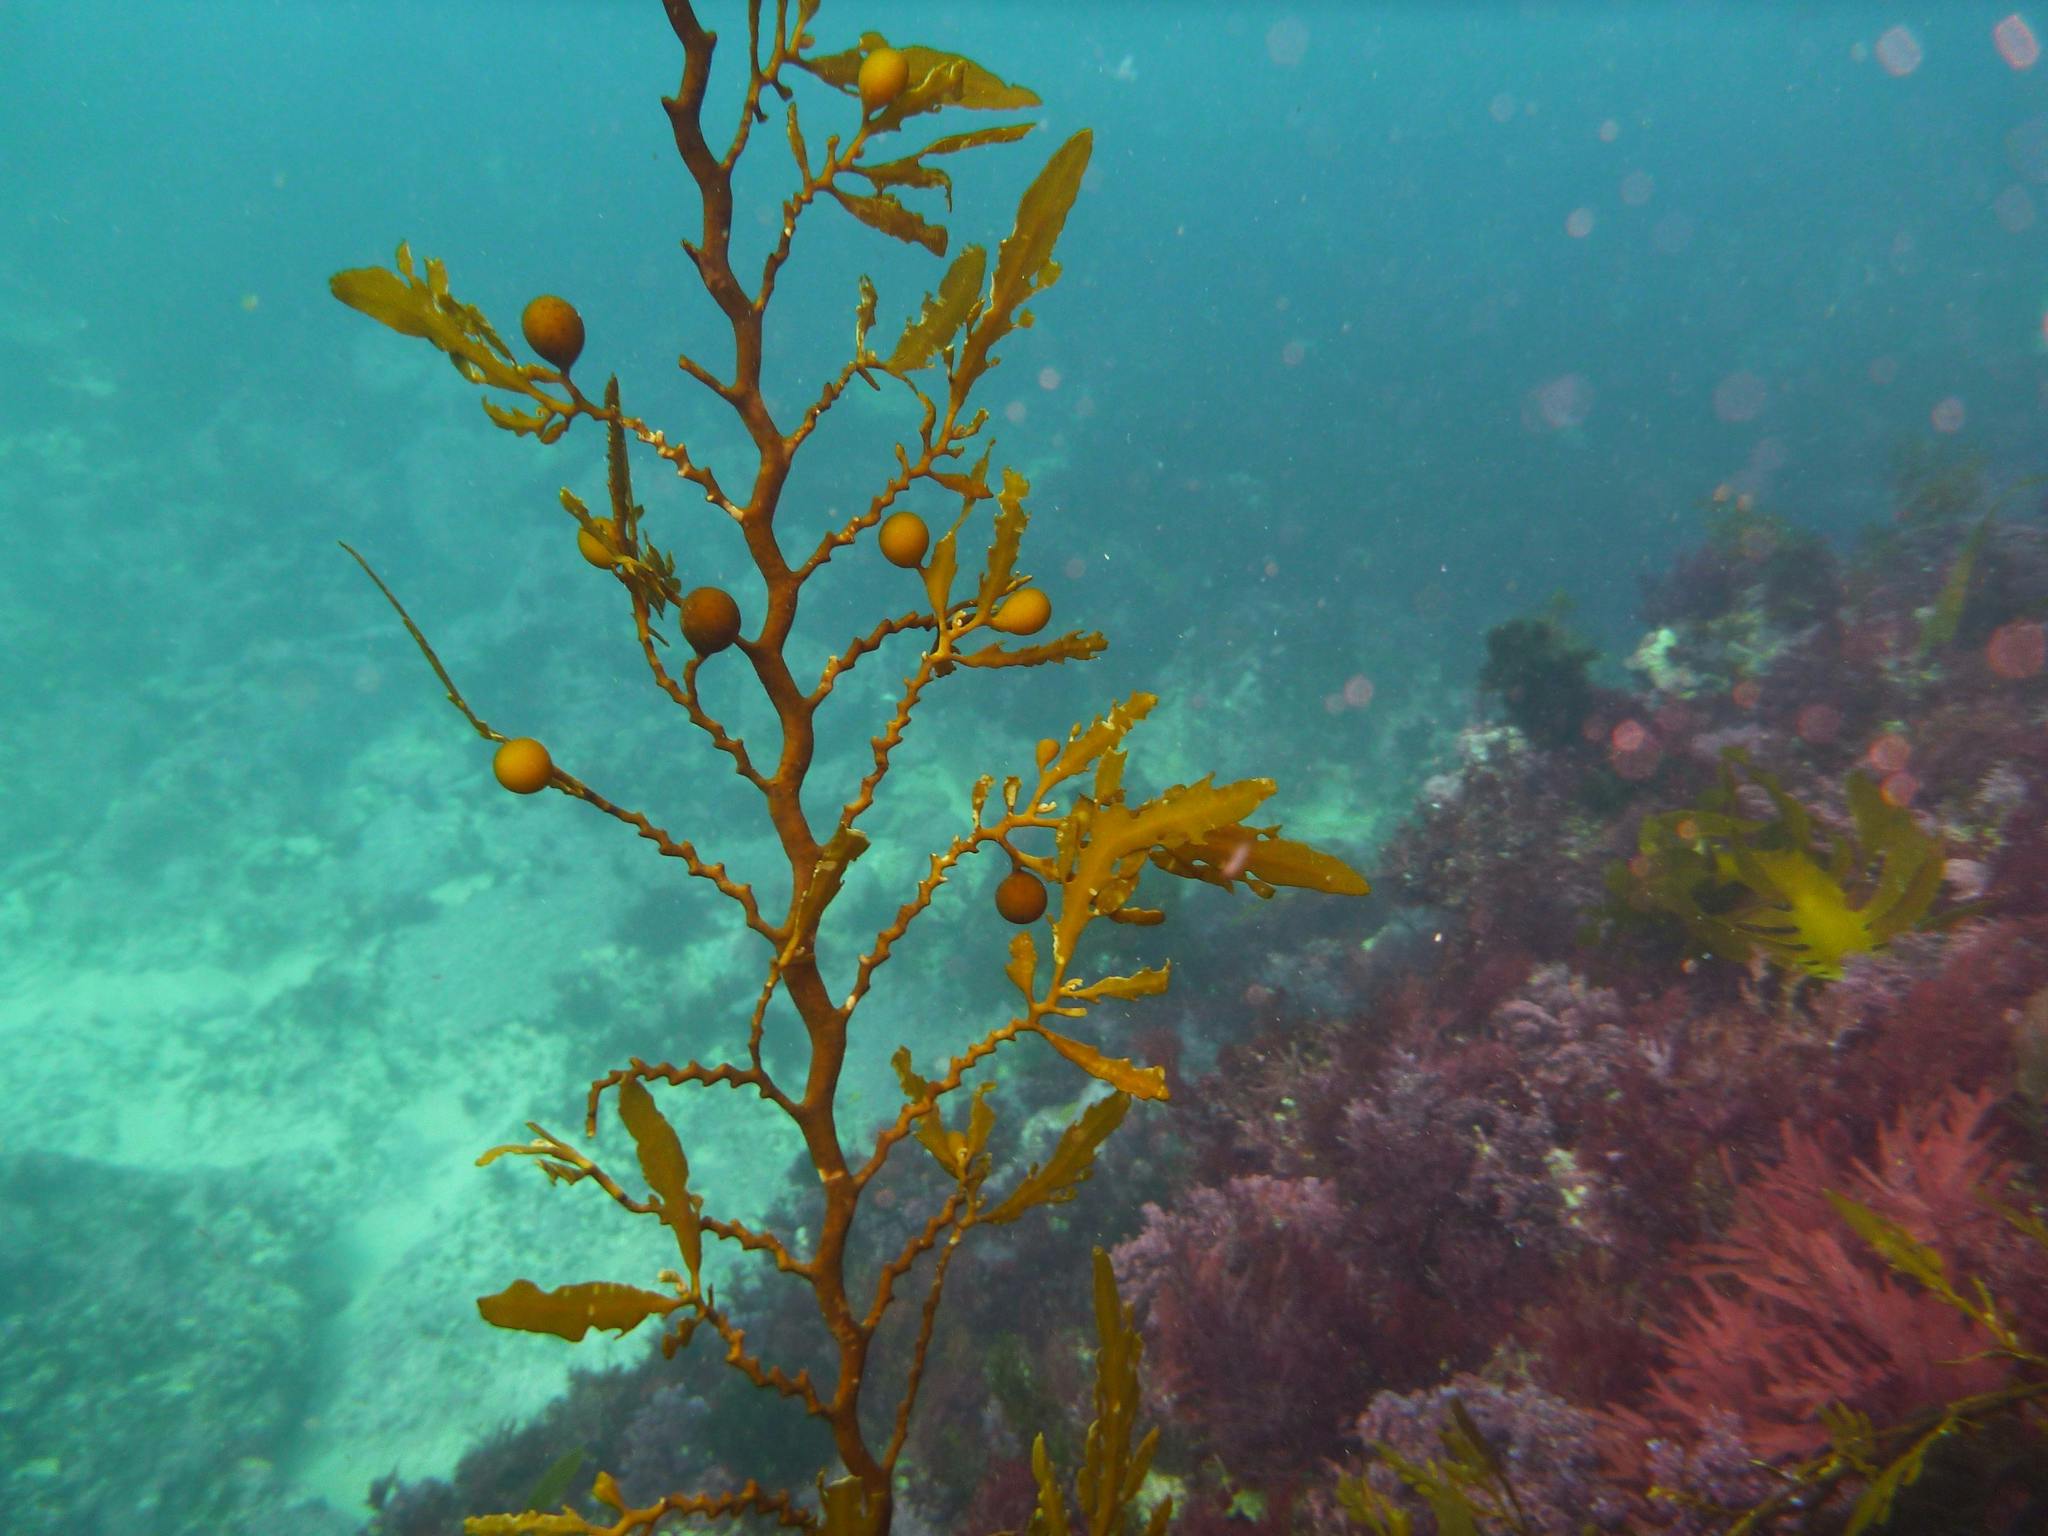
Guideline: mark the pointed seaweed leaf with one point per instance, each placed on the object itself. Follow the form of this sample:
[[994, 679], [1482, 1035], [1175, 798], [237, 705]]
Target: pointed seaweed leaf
[[953, 143], [1023, 967], [415, 306], [1263, 860], [883, 212], [943, 314], [1139, 1082], [1099, 861], [1011, 521], [1898, 1248], [1077, 646], [571, 1311], [1024, 264], [1084, 746], [1073, 1159], [1149, 982], [666, 1169]]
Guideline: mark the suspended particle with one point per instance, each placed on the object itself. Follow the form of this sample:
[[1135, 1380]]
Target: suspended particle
[[1579, 223], [1947, 415]]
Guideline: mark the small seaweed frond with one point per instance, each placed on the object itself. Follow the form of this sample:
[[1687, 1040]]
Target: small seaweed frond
[[1467, 1489], [1938, 628], [1800, 897], [1113, 1469]]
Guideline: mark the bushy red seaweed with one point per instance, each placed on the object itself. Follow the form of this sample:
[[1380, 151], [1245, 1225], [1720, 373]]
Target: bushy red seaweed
[[1789, 1312], [1590, 1179]]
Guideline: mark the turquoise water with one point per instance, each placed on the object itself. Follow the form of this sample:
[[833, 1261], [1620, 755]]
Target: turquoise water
[[1377, 327]]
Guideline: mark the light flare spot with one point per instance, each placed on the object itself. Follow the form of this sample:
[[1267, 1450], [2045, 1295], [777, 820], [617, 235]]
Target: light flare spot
[[1888, 753], [1747, 694], [1015, 412], [1673, 234], [1579, 223], [2015, 209], [1947, 414], [2026, 148], [1637, 188], [1899, 789], [1358, 690], [1629, 736], [1905, 253], [1899, 52], [1048, 378], [1292, 354], [2015, 42], [1565, 401], [1818, 724], [1741, 396], [1639, 764], [1287, 41], [2017, 650]]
